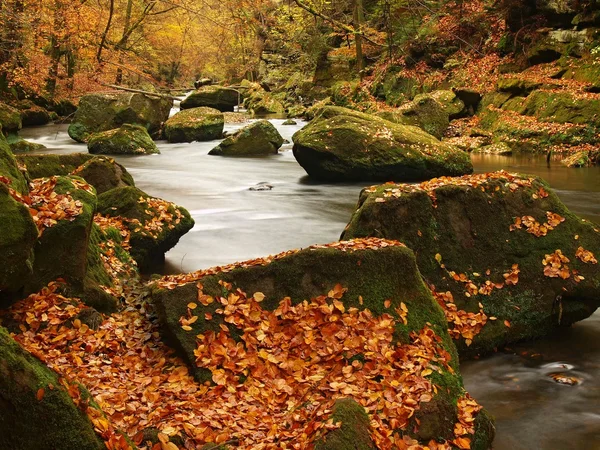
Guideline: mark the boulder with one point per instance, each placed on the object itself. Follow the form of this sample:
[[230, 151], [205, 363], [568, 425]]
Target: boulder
[[102, 112], [10, 119], [451, 103], [521, 275], [19, 145], [32, 397], [217, 97], [258, 138], [583, 158], [155, 225], [195, 124], [424, 112], [104, 174], [9, 169], [42, 166], [263, 103], [64, 108], [345, 145], [256, 313], [34, 116], [127, 140], [17, 239], [63, 209]]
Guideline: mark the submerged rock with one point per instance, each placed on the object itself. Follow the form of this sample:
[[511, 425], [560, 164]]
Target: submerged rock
[[289, 122], [217, 97], [345, 145], [32, 397], [195, 124], [507, 259], [258, 138], [155, 225], [334, 287], [102, 112], [127, 140]]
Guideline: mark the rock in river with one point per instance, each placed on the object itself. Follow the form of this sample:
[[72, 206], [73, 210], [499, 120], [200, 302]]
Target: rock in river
[[507, 259], [258, 138], [127, 140], [195, 124], [217, 97], [345, 145]]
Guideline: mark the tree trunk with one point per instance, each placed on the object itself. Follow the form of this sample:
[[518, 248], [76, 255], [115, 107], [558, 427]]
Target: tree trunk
[[108, 22], [119, 77], [358, 40]]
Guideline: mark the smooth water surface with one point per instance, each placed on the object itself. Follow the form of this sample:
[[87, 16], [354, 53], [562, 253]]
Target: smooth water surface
[[234, 223]]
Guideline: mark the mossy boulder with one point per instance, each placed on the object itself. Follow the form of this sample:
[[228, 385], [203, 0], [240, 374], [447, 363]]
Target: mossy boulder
[[583, 158], [127, 140], [17, 239], [451, 103], [19, 145], [505, 264], [195, 124], [102, 112], [32, 397], [43, 166], [561, 107], [9, 168], [155, 225], [258, 138], [104, 173], [34, 116], [217, 97], [61, 250], [426, 113], [64, 108], [260, 103], [380, 276], [10, 118], [345, 145]]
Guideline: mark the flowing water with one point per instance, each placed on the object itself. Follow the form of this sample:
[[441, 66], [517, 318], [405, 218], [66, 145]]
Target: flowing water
[[235, 223]]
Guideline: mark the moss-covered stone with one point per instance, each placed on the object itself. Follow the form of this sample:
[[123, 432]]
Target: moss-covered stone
[[451, 104], [129, 139], [61, 250], [34, 116], [18, 145], [258, 138], [195, 124], [217, 97], [64, 108], [378, 279], [29, 422], [102, 112], [156, 226], [44, 166], [584, 158], [104, 174], [341, 144], [17, 240], [260, 103], [561, 107], [10, 118], [426, 113], [448, 226], [353, 434], [9, 168]]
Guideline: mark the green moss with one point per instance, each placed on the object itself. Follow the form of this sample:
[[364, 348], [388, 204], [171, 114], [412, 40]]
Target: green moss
[[9, 168], [195, 124], [57, 422], [129, 139], [354, 433], [218, 97], [10, 118], [104, 174], [258, 138], [43, 166]]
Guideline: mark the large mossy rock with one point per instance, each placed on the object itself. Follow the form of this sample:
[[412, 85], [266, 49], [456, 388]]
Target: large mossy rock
[[37, 411], [103, 112], [34, 116], [127, 140], [17, 239], [380, 276], [155, 225], [9, 168], [217, 97], [258, 138], [10, 119], [499, 240], [61, 250], [345, 145], [43, 166], [195, 124], [18, 145], [260, 103], [104, 174]]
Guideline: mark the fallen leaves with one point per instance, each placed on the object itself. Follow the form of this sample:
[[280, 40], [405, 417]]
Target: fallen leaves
[[555, 265], [586, 256], [532, 226], [461, 323]]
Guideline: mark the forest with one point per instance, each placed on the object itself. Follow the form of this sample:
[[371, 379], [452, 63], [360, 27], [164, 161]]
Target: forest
[[299, 224]]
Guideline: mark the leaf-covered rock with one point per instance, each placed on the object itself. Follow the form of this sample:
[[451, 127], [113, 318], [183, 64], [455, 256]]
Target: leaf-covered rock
[[155, 225], [102, 112], [38, 413], [529, 270], [258, 138], [300, 314], [195, 124], [104, 174], [217, 97], [126, 140], [341, 144]]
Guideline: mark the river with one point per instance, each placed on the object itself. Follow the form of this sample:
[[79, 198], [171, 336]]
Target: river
[[234, 223]]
